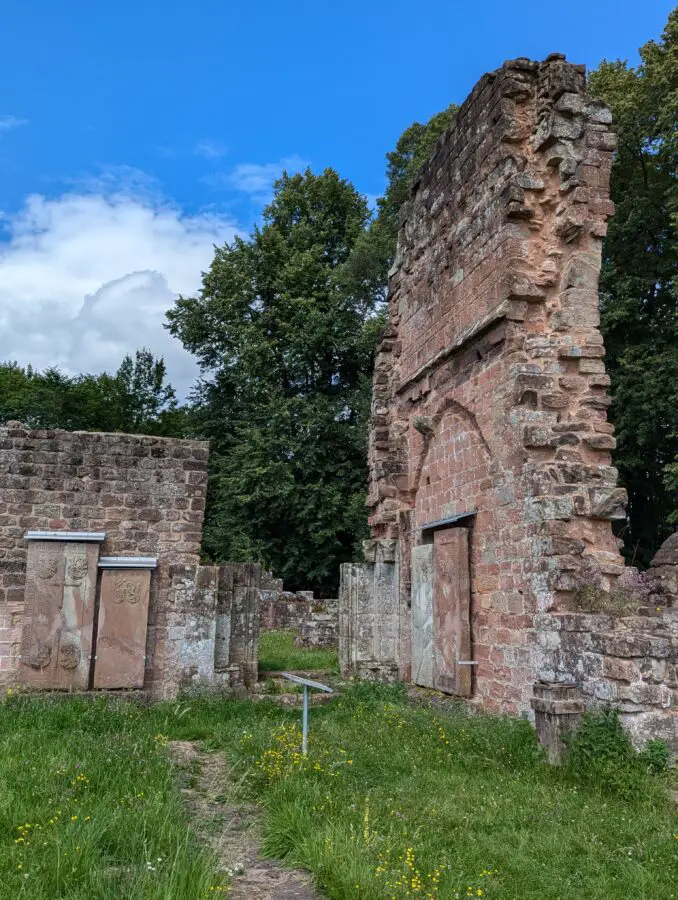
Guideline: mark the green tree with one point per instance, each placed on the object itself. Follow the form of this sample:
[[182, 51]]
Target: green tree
[[142, 399], [286, 353], [136, 399], [639, 285]]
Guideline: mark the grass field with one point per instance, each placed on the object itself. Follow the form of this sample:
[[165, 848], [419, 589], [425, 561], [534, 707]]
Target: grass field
[[394, 800], [88, 807], [400, 801], [277, 651]]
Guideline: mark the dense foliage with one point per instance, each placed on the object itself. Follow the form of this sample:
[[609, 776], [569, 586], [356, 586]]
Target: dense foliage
[[639, 285], [287, 354], [136, 399], [285, 329]]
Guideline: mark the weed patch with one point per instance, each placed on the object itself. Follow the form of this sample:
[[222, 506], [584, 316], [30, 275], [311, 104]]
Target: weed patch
[[398, 801], [601, 754], [394, 800]]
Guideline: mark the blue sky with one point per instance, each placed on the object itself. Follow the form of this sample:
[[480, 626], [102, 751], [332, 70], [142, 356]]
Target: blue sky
[[134, 135]]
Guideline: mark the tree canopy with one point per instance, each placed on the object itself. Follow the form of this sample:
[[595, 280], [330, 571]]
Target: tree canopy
[[639, 285], [136, 399], [286, 350]]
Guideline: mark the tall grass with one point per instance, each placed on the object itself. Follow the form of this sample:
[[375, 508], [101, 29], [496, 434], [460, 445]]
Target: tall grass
[[393, 801], [396, 801]]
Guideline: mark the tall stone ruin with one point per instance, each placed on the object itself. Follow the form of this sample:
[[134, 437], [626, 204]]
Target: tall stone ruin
[[491, 482]]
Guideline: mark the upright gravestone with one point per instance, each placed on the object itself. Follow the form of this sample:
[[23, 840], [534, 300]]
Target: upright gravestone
[[57, 636], [122, 621]]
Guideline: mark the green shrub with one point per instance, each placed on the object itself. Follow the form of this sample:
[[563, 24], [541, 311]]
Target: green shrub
[[600, 753]]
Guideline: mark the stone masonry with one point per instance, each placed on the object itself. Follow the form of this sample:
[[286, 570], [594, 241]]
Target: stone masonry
[[490, 404], [315, 620], [146, 496]]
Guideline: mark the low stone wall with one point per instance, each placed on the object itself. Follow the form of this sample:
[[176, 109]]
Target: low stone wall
[[629, 662], [320, 629], [315, 620], [286, 610]]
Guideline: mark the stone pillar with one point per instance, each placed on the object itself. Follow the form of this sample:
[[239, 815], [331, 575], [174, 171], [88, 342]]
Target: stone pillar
[[197, 645], [664, 568], [352, 597], [222, 639], [557, 712]]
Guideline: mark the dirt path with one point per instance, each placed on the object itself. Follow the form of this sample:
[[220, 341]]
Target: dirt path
[[231, 829]]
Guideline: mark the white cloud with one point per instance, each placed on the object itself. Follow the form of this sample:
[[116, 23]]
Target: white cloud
[[207, 149], [7, 123], [87, 277], [256, 179], [118, 181], [210, 149]]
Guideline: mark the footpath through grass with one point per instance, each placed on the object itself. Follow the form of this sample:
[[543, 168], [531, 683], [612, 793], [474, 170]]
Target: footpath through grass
[[394, 801], [88, 807], [278, 652], [399, 801]]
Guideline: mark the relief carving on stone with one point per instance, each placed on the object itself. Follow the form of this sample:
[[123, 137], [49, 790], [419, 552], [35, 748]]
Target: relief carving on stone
[[40, 652], [69, 651], [57, 632], [76, 570], [127, 591], [46, 566], [122, 624]]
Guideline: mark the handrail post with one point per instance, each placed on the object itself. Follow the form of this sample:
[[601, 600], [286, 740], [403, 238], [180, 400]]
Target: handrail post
[[304, 724]]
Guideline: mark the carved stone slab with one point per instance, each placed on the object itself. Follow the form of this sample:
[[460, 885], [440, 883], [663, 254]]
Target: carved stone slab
[[451, 612], [121, 631], [60, 594], [244, 620], [422, 615]]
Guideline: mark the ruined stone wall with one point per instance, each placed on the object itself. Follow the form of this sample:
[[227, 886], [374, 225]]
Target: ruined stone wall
[[316, 620], [146, 493], [320, 629], [489, 398], [285, 609], [629, 662], [217, 626]]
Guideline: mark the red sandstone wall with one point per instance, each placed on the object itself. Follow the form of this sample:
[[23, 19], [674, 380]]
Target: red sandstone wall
[[146, 493], [490, 386]]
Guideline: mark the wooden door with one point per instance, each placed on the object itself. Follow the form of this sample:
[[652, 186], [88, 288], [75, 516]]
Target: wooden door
[[452, 612]]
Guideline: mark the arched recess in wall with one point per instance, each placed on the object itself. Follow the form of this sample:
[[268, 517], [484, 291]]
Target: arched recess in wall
[[448, 408]]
